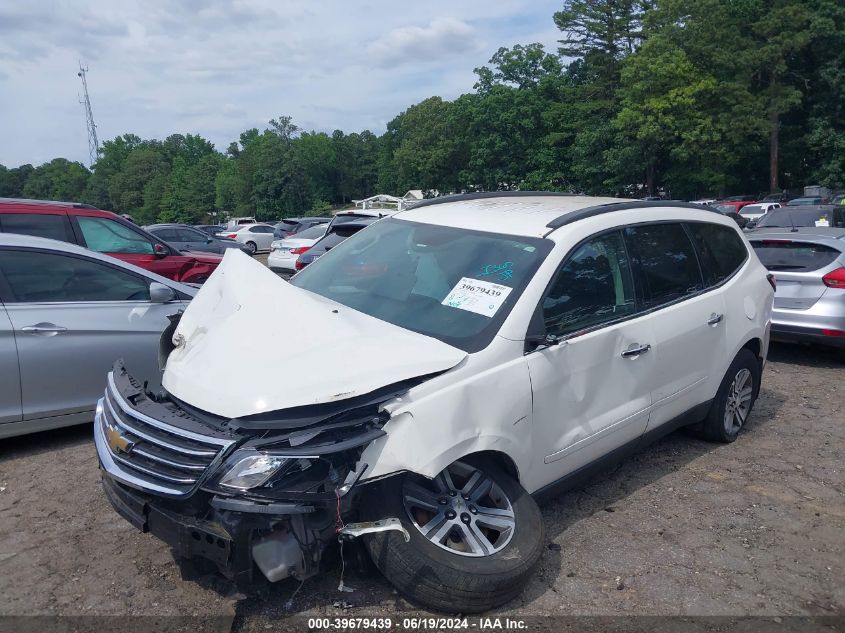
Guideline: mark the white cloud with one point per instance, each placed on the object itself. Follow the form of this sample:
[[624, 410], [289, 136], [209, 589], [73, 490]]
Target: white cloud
[[442, 38], [218, 67]]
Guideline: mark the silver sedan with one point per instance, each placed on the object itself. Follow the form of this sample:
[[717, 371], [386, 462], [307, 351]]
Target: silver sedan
[[66, 314], [809, 268]]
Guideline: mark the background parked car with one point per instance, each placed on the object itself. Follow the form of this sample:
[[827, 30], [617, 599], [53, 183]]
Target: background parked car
[[284, 253], [187, 238], [729, 210], [288, 227], [809, 267], [805, 201], [815, 215], [734, 203], [255, 237], [753, 212], [104, 232], [210, 229], [334, 236], [66, 315], [235, 222], [781, 197]]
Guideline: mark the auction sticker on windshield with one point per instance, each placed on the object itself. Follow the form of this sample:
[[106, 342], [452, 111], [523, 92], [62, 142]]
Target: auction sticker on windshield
[[474, 295]]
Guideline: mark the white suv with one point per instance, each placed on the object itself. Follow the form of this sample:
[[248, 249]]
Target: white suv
[[452, 364]]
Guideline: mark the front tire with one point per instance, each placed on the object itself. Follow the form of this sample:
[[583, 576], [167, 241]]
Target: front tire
[[476, 536], [734, 400], [252, 247]]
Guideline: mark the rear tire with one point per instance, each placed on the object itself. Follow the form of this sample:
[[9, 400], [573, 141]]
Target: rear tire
[[734, 400], [452, 573], [252, 247]]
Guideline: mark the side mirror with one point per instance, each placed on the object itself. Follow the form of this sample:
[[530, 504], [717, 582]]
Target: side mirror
[[541, 341], [159, 293], [208, 240], [160, 250], [751, 224]]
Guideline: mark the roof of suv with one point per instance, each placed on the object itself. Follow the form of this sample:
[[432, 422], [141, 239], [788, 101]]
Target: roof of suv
[[524, 213]]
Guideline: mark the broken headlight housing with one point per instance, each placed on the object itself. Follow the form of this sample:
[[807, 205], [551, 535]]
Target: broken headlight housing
[[251, 471]]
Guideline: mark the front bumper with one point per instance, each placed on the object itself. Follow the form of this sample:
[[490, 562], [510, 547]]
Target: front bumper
[[189, 537], [158, 471]]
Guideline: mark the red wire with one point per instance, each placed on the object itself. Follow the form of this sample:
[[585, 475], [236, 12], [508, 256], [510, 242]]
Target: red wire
[[338, 521]]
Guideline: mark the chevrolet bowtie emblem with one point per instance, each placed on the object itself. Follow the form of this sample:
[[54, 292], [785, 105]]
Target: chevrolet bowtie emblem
[[117, 442]]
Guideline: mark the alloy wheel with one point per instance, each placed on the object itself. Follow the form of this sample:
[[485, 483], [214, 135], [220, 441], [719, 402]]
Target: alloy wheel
[[738, 401], [462, 511]]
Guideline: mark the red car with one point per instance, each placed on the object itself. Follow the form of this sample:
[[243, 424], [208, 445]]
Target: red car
[[733, 204], [105, 232]]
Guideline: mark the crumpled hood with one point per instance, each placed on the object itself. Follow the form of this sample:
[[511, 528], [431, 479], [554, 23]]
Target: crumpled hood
[[229, 359]]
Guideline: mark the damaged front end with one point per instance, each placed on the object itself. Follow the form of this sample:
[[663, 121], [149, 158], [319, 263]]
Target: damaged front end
[[265, 491]]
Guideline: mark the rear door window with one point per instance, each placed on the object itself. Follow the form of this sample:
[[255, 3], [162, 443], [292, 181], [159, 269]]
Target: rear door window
[[107, 236], [664, 262], [794, 256], [54, 227], [721, 250]]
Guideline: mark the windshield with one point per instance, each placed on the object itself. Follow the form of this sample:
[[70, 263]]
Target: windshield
[[751, 209], [455, 285]]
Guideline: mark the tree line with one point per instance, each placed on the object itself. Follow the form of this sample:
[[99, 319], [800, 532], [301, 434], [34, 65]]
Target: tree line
[[681, 98]]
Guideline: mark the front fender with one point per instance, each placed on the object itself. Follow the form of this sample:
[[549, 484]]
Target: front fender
[[487, 411]]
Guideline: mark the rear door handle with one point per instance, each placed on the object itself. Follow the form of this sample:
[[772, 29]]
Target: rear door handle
[[635, 350], [715, 319], [44, 329]]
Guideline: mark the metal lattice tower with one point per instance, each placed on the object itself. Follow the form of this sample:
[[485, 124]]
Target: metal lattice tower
[[93, 143]]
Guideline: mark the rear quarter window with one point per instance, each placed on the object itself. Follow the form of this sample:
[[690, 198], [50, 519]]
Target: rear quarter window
[[721, 250], [794, 256]]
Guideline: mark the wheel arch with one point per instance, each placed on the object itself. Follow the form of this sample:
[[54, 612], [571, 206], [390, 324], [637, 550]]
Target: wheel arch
[[755, 345]]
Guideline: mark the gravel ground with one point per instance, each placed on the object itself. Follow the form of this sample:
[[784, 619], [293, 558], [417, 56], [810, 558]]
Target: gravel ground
[[682, 528]]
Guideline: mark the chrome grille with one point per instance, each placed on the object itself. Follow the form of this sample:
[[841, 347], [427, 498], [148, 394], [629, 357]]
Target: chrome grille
[[151, 454]]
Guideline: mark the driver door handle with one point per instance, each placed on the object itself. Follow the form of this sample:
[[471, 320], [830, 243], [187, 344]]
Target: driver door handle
[[635, 350], [715, 319], [46, 329]]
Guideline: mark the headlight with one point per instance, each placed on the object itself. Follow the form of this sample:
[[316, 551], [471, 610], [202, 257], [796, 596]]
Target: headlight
[[252, 471]]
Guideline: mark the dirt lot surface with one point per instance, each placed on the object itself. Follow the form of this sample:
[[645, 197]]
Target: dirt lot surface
[[683, 527]]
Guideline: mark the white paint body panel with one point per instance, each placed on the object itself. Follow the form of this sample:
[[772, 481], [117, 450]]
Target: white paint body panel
[[602, 400], [550, 411], [341, 353]]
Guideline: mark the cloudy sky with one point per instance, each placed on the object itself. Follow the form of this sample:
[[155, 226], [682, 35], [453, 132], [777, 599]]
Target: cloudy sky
[[217, 67]]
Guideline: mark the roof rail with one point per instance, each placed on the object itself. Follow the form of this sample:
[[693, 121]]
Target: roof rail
[[480, 195], [60, 203], [599, 209]]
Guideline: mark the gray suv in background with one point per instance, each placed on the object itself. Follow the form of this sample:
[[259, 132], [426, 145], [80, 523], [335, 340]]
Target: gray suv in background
[[188, 238]]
